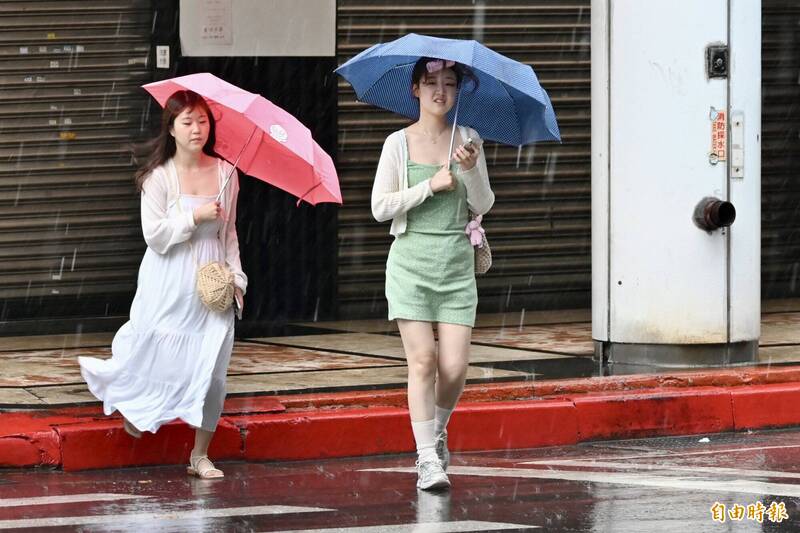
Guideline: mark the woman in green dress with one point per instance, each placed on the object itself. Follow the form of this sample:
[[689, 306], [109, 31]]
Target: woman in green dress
[[430, 272]]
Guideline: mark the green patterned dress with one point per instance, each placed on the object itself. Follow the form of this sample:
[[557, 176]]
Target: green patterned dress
[[430, 272]]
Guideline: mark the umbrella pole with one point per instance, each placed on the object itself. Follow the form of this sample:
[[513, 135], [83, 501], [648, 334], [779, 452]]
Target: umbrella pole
[[228, 178], [455, 125]]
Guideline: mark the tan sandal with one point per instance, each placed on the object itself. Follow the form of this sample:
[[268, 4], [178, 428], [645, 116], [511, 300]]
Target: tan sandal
[[202, 467], [130, 429]]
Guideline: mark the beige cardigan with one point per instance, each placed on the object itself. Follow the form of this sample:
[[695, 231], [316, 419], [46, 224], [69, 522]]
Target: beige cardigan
[[392, 198], [161, 231]]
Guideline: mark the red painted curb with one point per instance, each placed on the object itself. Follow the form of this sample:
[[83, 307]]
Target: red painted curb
[[27, 440], [326, 434], [763, 406], [40, 448], [104, 444], [510, 425], [635, 414], [387, 430], [493, 392], [258, 430]]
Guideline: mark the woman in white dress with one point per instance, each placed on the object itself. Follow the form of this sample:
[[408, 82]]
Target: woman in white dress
[[169, 361]]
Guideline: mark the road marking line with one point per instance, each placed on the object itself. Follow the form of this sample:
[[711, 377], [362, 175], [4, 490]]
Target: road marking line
[[666, 482], [704, 452], [67, 498], [423, 527], [643, 466], [122, 518]]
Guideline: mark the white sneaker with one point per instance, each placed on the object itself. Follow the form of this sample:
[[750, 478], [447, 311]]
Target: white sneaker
[[430, 475], [441, 449]]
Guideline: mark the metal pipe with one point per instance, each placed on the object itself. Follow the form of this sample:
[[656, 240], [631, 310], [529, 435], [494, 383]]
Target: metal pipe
[[712, 214]]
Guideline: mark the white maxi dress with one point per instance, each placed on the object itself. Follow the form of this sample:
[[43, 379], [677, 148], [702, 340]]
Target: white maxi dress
[[170, 360]]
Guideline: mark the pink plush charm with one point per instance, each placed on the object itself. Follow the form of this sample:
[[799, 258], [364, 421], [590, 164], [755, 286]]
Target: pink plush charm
[[475, 231]]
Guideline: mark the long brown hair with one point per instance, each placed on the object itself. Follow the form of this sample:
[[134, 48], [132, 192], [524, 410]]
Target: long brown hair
[[159, 150]]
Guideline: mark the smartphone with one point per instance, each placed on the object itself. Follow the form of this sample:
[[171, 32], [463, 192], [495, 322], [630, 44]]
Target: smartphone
[[471, 145], [236, 309]]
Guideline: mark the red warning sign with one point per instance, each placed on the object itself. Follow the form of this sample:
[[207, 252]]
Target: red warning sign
[[719, 136]]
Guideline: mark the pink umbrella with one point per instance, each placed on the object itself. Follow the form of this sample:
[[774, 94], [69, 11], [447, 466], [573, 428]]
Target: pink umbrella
[[260, 138]]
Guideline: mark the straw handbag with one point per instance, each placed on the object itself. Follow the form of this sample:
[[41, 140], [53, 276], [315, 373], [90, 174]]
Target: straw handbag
[[214, 282], [483, 257], [214, 285]]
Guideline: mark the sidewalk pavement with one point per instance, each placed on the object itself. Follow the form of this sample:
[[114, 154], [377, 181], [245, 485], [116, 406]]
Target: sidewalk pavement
[[336, 389]]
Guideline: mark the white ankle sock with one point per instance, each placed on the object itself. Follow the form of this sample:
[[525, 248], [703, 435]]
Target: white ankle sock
[[441, 417], [425, 438]]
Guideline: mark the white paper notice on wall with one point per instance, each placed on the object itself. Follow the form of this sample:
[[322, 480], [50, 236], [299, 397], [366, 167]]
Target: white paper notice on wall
[[253, 28], [217, 22], [162, 56]]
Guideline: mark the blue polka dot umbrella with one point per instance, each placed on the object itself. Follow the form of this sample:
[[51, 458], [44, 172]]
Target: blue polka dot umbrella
[[506, 105]]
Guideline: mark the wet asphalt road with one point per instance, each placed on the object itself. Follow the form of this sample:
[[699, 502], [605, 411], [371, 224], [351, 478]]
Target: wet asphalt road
[[652, 485]]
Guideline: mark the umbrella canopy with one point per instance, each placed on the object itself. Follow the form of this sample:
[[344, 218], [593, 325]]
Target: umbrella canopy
[[260, 138], [508, 105]]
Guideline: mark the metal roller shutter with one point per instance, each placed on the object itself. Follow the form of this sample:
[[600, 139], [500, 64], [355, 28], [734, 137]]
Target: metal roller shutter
[[780, 157], [539, 228], [70, 239]]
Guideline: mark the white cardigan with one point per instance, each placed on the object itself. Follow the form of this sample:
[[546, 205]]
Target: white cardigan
[[161, 232], [392, 198]]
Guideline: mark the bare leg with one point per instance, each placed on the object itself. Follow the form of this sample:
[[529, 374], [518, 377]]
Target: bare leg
[[454, 342], [202, 439], [452, 374], [130, 429], [199, 463], [420, 348]]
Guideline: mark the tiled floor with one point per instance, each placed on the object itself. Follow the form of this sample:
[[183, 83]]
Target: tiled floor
[[363, 354], [780, 328], [565, 339], [55, 342]]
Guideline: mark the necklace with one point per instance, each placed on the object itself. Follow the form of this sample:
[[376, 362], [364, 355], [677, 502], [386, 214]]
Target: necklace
[[434, 139]]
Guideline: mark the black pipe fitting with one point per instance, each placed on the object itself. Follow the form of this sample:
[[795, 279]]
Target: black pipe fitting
[[712, 213]]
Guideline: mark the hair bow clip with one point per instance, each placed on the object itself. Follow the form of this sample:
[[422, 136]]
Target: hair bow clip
[[438, 64]]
